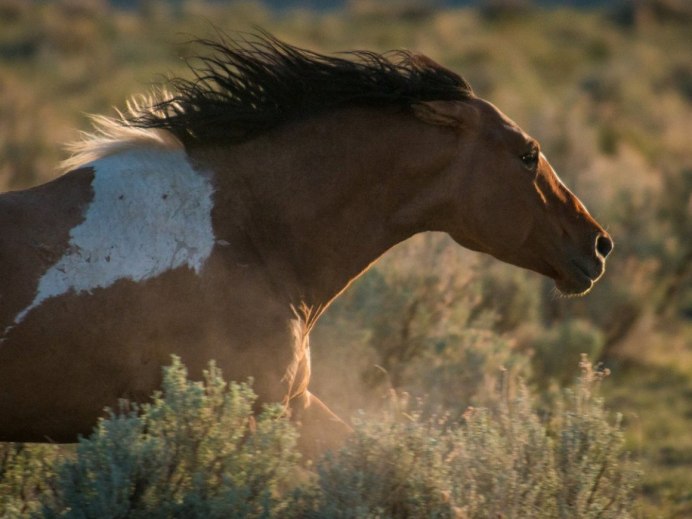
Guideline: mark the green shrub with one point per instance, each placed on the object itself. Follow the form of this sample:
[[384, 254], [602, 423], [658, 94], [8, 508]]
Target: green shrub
[[504, 461], [194, 451], [559, 347], [442, 333], [596, 479], [465, 371], [389, 468], [25, 473]]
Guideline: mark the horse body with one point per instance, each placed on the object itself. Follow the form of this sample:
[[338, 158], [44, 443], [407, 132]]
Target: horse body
[[212, 266], [231, 253]]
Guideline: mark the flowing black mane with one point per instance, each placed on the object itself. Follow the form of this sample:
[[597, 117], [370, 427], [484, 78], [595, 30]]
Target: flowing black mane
[[249, 86]]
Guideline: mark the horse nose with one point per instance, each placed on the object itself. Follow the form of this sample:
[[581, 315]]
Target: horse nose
[[604, 245]]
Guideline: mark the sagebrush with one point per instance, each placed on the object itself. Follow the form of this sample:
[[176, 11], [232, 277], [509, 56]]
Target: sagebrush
[[197, 451]]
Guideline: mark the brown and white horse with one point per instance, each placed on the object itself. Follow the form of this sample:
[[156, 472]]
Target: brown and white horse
[[220, 221]]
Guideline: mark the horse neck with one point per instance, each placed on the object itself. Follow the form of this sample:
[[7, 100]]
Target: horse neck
[[320, 200]]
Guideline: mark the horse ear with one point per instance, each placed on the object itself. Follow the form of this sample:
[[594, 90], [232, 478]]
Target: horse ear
[[446, 113]]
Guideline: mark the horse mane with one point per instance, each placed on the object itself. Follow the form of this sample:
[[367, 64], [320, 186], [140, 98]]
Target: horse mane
[[249, 85], [113, 134]]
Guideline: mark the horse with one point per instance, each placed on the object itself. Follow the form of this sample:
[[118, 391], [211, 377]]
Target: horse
[[220, 216]]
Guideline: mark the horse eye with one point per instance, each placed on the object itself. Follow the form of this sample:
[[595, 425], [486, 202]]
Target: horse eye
[[530, 159]]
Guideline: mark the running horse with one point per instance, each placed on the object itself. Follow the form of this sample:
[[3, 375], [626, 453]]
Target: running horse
[[220, 218]]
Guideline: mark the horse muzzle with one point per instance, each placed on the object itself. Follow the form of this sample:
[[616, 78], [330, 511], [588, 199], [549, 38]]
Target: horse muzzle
[[581, 272]]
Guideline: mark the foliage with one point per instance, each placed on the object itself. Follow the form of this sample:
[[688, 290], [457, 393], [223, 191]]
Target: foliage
[[194, 451], [26, 472], [500, 461], [560, 345]]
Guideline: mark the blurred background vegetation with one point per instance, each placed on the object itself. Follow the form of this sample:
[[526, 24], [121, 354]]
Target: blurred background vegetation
[[605, 86]]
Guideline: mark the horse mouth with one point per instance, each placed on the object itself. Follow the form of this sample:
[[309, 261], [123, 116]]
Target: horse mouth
[[578, 279]]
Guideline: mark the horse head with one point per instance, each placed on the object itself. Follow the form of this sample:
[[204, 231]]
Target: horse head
[[502, 197]]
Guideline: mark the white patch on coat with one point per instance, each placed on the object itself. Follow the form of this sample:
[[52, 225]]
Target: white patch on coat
[[150, 213]]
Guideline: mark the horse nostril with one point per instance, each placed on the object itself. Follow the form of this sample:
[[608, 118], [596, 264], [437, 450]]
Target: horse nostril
[[604, 245]]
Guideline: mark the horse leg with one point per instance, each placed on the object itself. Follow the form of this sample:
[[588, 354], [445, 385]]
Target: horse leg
[[320, 429]]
